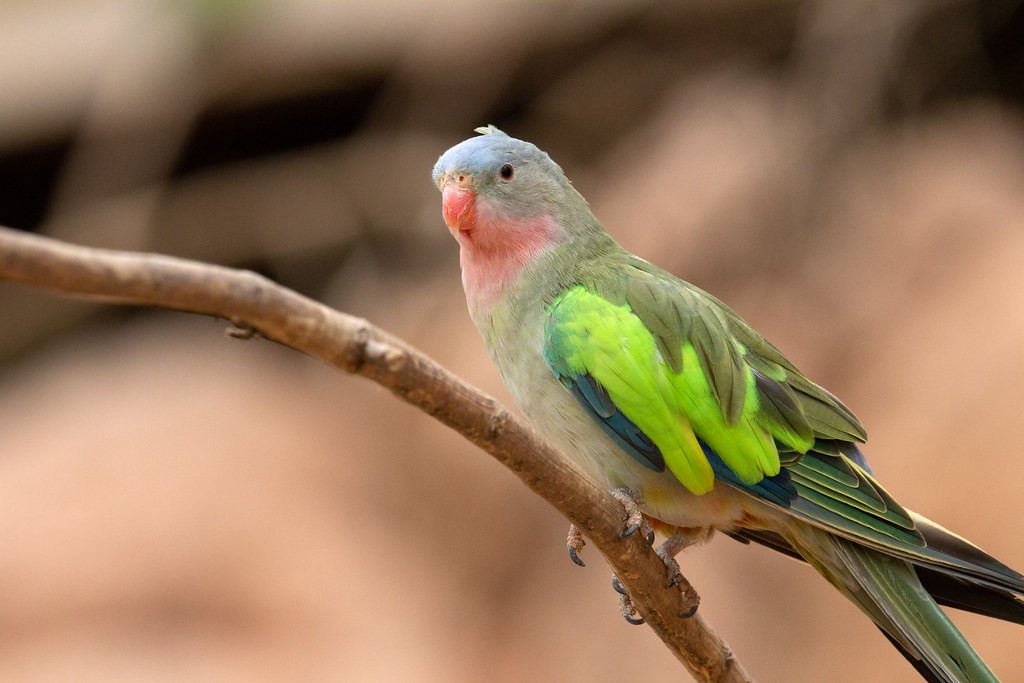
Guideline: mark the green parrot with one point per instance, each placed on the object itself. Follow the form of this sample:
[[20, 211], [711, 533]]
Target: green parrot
[[658, 389]]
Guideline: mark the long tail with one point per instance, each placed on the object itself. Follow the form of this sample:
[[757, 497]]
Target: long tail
[[949, 589], [890, 592]]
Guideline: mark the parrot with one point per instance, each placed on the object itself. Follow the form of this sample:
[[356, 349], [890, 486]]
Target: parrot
[[655, 388]]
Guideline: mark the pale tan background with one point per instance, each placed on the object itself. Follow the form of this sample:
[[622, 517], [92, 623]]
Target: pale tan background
[[179, 506]]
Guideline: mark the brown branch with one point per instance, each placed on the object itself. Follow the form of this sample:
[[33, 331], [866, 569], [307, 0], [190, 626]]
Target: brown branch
[[357, 347]]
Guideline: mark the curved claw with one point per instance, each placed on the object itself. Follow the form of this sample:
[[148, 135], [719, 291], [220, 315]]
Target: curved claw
[[636, 621], [617, 587], [631, 506], [574, 542], [664, 551], [626, 605], [690, 598]]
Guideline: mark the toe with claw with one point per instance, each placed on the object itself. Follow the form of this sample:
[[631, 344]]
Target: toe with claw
[[674, 572], [635, 520], [667, 551], [629, 612], [690, 599], [574, 542]]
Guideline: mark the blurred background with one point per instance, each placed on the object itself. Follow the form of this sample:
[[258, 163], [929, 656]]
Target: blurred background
[[176, 505]]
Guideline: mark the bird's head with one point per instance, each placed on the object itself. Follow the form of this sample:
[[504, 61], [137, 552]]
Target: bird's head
[[507, 204], [494, 185]]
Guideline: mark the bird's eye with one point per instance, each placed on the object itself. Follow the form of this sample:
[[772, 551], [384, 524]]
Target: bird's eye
[[506, 171]]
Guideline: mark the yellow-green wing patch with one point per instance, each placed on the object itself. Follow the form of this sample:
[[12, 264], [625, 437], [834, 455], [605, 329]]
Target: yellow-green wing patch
[[587, 335]]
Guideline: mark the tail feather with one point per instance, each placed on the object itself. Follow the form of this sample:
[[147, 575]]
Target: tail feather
[[960, 593], [920, 666], [895, 588], [889, 591], [957, 556], [952, 589]]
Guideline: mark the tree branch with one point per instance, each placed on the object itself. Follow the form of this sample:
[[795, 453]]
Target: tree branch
[[357, 347]]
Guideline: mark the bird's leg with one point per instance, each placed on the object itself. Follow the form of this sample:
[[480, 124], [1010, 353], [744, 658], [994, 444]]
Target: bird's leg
[[675, 544], [667, 551]]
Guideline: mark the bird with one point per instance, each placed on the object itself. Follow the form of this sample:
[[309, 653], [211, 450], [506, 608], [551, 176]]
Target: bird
[[662, 393]]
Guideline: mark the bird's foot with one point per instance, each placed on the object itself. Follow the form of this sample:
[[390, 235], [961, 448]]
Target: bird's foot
[[681, 538], [667, 552], [574, 542], [635, 520], [626, 606], [674, 572], [676, 579], [673, 545]]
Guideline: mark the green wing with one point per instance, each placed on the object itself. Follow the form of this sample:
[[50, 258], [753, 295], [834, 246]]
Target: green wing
[[590, 336], [682, 382], [686, 369]]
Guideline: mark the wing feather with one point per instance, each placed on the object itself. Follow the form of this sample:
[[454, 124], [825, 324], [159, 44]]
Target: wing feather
[[684, 384]]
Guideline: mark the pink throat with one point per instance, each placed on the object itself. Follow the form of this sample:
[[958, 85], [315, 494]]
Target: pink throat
[[496, 248]]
